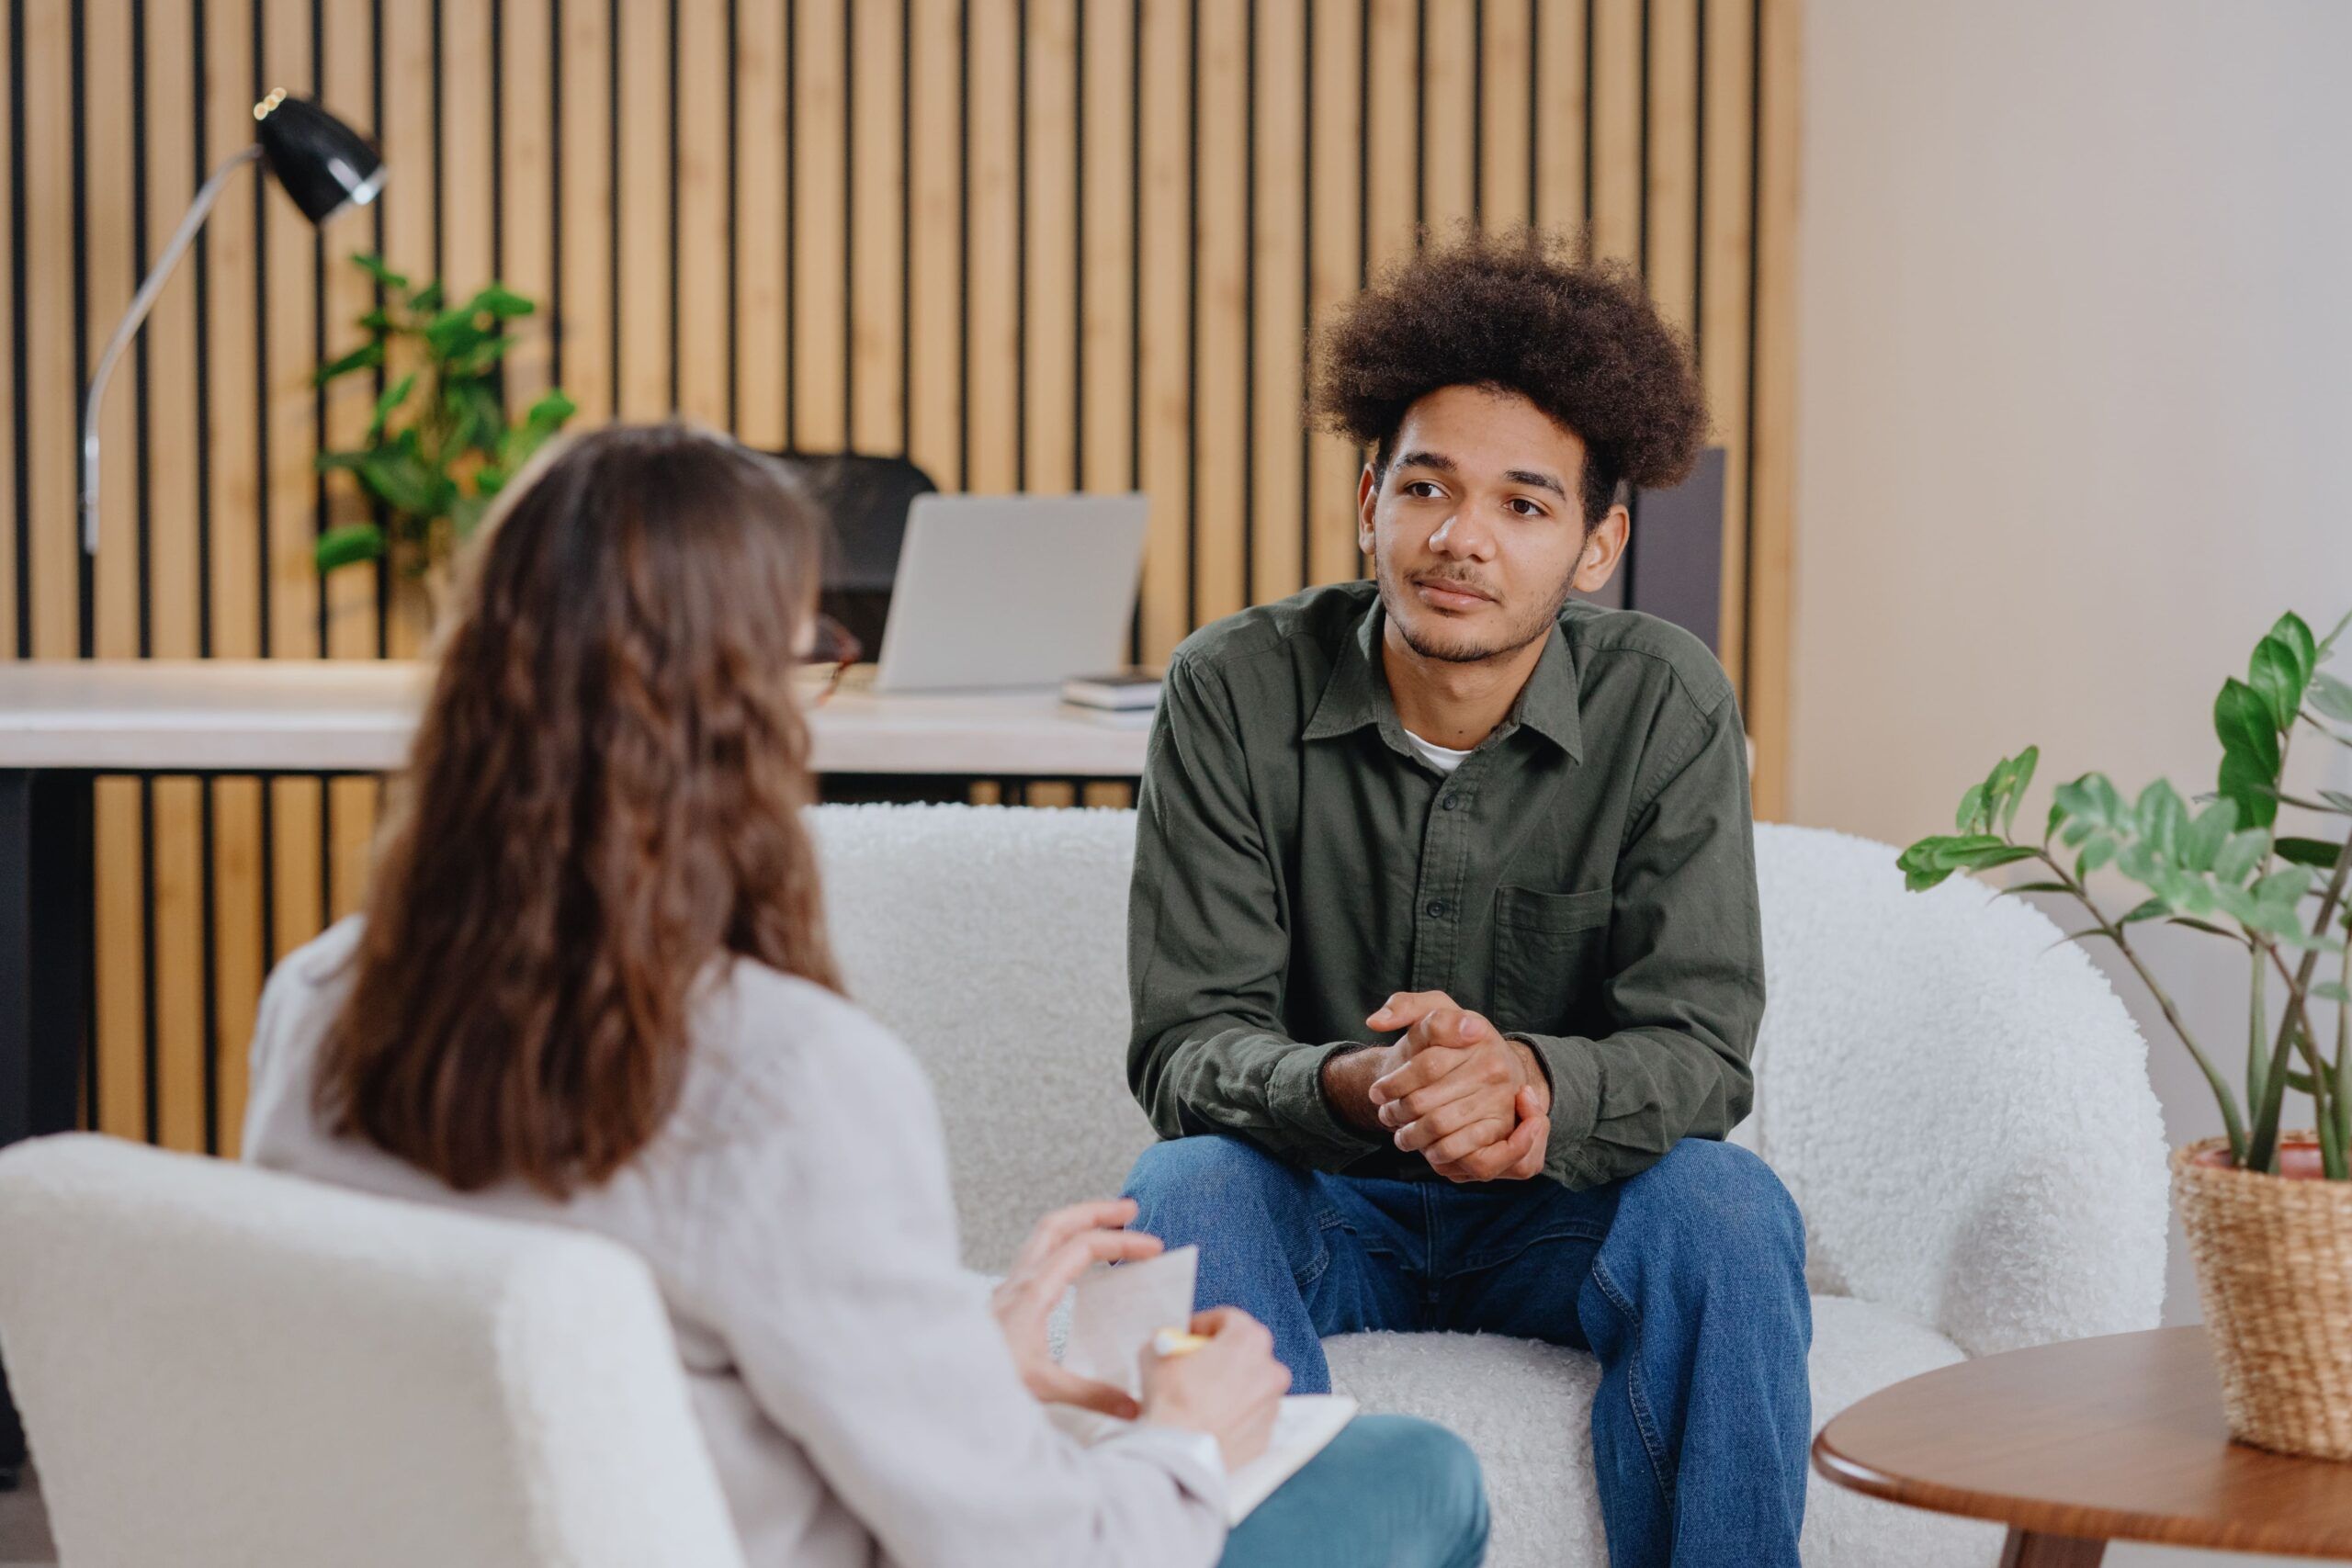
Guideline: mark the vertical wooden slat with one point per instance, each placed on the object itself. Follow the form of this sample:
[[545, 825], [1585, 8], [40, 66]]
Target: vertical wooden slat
[[467, 165], [876, 189], [584, 246], [233, 399], [1449, 116], [936, 243], [54, 381], [1335, 122], [1278, 269], [527, 157], [1670, 222], [1505, 151], [643, 113], [703, 239], [1050, 341], [12, 277], [993, 248], [1725, 237], [349, 49], [1220, 428], [1561, 119], [1107, 274], [1616, 123], [1772, 462], [410, 222], [108, 263], [763, 96], [819, 193], [1392, 130], [1167, 278], [175, 581], [297, 806]]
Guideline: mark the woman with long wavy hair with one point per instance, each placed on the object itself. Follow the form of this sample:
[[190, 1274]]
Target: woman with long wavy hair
[[592, 987]]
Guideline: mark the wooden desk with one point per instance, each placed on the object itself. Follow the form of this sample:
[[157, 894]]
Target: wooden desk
[[356, 717], [2073, 1445]]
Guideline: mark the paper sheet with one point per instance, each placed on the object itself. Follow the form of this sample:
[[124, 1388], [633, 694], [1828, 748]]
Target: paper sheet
[[1113, 1315]]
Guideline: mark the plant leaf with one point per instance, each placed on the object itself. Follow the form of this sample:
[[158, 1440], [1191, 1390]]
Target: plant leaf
[[428, 298], [2028, 760], [346, 545], [2096, 853], [2034, 887], [2242, 718], [393, 397], [2196, 925], [2331, 697], [2208, 834], [2309, 852], [2328, 642], [1971, 809], [498, 301], [2275, 675], [2154, 909], [2292, 633], [2239, 854], [367, 357], [373, 265]]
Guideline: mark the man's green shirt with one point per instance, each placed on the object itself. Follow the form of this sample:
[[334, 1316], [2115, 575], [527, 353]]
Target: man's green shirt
[[1586, 878]]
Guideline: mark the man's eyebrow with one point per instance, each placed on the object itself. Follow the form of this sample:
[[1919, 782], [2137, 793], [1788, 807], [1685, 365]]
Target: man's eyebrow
[[1539, 480], [1426, 460]]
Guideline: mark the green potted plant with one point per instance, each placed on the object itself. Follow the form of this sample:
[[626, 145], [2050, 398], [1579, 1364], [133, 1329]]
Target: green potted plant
[[440, 445], [2269, 1210]]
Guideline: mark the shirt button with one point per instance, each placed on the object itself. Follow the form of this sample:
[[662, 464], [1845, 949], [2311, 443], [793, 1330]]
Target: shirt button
[[1447, 803], [1436, 908]]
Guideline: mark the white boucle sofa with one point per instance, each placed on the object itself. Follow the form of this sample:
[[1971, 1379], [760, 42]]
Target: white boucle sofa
[[1962, 1111]]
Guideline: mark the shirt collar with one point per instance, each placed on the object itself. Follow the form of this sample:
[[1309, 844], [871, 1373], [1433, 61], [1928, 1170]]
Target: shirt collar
[[1356, 693]]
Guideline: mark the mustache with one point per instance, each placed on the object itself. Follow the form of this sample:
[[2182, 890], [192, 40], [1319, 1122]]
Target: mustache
[[1461, 580]]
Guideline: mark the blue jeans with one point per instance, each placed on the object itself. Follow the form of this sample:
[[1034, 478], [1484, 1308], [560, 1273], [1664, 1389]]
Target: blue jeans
[[1388, 1492], [1685, 1280]]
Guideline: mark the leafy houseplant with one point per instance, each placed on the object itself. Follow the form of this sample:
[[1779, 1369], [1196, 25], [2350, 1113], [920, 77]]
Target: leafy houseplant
[[2274, 1253], [440, 445]]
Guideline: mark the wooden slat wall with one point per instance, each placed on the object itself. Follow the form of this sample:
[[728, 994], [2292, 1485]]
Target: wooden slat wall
[[1036, 244]]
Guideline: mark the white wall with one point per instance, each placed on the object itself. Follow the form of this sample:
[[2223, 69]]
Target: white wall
[[2074, 406]]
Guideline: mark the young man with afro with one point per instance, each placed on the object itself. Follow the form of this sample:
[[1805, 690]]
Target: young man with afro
[[1443, 941]]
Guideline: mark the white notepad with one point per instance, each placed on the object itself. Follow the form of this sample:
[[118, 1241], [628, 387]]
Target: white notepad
[[1115, 1314]]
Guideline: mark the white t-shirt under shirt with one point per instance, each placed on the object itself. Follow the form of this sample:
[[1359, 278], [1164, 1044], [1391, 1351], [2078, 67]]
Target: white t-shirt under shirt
[[1445, 758]]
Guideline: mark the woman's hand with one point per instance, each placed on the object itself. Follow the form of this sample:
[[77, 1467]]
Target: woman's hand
[[1065, 1243], [1231, 1388]]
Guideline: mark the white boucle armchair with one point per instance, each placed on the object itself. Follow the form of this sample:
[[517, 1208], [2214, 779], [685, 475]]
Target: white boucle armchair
[[1962, 1111]]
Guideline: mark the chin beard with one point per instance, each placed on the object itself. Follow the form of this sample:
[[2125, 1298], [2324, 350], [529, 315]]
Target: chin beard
[[1438, 642]]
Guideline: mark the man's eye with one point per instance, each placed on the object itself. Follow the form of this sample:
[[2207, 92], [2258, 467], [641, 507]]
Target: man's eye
[[1422, 487], [1529, 508]]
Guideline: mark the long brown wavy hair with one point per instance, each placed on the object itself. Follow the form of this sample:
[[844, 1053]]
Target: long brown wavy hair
[[603, 797]]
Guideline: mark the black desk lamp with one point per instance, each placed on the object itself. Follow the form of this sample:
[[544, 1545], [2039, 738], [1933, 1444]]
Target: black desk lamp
[[322, 164]]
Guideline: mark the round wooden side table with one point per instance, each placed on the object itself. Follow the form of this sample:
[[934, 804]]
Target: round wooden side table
[[2120, 1438]]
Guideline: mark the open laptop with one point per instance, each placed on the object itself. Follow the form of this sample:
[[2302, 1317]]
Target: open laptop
[[1010, 590]]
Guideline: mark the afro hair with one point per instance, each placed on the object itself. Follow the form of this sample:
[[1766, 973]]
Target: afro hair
[[1522, 312]]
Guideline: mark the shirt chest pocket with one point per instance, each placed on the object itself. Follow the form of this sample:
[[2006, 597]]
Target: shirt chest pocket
[[1549, 951]]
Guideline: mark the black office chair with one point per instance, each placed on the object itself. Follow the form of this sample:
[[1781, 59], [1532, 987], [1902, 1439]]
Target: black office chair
[[866, 498]]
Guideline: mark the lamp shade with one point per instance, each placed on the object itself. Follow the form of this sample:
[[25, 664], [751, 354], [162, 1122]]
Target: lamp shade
[[324, 164]]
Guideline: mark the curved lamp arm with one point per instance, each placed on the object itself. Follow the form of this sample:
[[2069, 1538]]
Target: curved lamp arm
[[144, 302]]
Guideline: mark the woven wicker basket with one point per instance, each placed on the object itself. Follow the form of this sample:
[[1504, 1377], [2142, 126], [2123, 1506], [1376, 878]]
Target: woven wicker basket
[[2273, 1271]]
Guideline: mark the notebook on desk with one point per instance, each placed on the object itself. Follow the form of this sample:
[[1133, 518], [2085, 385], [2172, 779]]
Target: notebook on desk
[[1011, 591]]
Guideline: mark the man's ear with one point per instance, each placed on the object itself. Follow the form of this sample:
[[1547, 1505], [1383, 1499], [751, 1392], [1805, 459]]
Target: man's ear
[[1604, 546], [1367, 503]]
